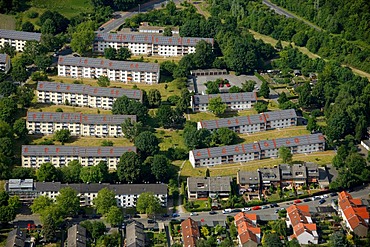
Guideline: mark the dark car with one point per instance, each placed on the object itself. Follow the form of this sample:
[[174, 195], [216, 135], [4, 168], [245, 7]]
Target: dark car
[[212, 212], [307, 200], [175, 215], [150, 221], [136, 216], [236, 210], [274, 205], [333, 194], [165, 215], [322, 201]]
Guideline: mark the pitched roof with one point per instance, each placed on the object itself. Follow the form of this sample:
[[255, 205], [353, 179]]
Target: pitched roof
[[16, 238], [299, 214], [108, 64], [3, 57], [247, 227], [76, 236], [270, 174], [61, 117], [302, 227], [225, 97], [55, 150], [344, 194], [278, 115], [149, 39], [88, 90], [292, 141], [353, 210], [292, 171], [19, 35], [190, 232], [247, 236], [225, 150], [212, 184], [135, 235]]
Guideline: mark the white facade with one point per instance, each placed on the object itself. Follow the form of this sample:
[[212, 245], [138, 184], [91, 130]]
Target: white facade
[[5, 63], [17, 39]]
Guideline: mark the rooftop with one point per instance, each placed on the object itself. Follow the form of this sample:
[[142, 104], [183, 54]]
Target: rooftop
[[135, 235], [76, 236], [16, 238], [19, 35], [248, 177], [3, 57], [190, 232], [226, 97], [212, 184]]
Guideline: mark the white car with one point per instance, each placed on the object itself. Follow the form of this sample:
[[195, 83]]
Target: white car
[[193, 214], [325, 196], [246, 209]]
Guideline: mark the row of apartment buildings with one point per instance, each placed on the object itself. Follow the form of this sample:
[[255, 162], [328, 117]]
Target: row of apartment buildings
[[148, 43], [253, 123], [254, 151], [17, 39], [233, 101], [5, 63], [78, 124], [125, 194], [122, 71], [34, 156], [83, 95]]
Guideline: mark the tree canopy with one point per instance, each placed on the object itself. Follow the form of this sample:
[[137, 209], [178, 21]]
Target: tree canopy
[[148, 203]]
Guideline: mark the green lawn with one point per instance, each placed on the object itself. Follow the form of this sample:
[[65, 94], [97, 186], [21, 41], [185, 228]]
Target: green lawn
[[65, 108], [7, 22], [84, 141], [170, 139], [273, 134], [68, 8]]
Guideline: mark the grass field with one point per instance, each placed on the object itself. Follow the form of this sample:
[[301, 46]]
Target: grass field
[[84, 141], [53, 108], [7, 22], [170, 139], [68, 8], [277, 133]]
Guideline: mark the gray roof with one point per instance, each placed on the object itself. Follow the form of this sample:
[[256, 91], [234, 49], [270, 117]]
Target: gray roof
[[293, 171], [226, 97], [76, 236], [211, 184], [19, 184], [248, 177], [118, 189], [226, 150], [312, 169], [51, 150], [61, 117], [3, 57], [11, 34], [149, 39], [249, 120], [292, 141], [270, 174], [16, 238], [135, 235], [108, 64], [88, 90]]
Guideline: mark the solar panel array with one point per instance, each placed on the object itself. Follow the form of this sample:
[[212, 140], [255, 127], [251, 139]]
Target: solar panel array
[[19, 35], [226, 97]]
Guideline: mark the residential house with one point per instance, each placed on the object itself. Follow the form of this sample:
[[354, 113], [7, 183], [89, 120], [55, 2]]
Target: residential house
[[78, 124], [294, 175], [148, 44], [253, 123], [249, 184], [249, 234], [270, 176], [204, 187], [190, 233], [145, 28], [123, 71], [83, 95], [17, 39], [354, 213], [233, 101], [135, 235], [35, 155], [23, 188], [5, 63], [76, 236], [304, 230], [16, 238]]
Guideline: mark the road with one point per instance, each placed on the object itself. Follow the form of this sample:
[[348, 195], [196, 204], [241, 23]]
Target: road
[[282, 11]]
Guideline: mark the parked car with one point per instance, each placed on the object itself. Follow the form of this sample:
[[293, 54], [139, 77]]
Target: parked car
[[264, 207], [325, 196], [212, 212], [236, 210], [333, 194], [193, 214], [322, 201], [307, 199], [274, 205], [316, 198], [150, 221], [165, 215], [174, 215], [297, 201], [256, 208], [246, 209], [227, 211]]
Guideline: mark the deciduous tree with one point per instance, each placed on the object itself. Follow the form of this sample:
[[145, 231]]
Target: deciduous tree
[[62, 135], [104, 201], [264, 90], [47, 173], [261, 106], [154, 98], [131, 129], [68, 201], [285, 154], [103, 81], [161, 167], [147, 143], [148, 203], [115, 216], [83, 38], [40, 203], [129, 167], [216, 106]]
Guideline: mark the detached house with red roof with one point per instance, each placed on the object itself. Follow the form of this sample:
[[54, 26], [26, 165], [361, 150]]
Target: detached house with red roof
[[78, 124], [354, 214], [35, 155], [190, 233], [249, 234], [82, 95], [148, 44], [304, 230], [124, 71]]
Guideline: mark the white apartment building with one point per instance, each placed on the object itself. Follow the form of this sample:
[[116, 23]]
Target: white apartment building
[[126, 194], [253, 123], [17, 39], [156, 29], [253, 151], [34, 156], [5, 63], [78, 124], [148, 44], [234, 101], [123, 71], [82, 95]]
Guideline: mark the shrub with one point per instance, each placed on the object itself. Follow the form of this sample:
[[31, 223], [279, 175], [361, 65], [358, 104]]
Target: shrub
[[32, 14]]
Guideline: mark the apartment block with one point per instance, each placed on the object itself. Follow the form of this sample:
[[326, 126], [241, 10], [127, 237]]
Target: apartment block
[[254, 151], [145, 28], [123, 71], [148, 44], [82, 95], [79, 124], [201, 187], [190, 232], [233, 101], [354, 214], [5, 63], [35, 155], [17, 39], [253, 123], [304, 230], [249, 234]]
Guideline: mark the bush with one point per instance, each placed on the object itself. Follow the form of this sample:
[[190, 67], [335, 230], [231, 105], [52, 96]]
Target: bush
[[177, 154], [46, 142], [32, 14], [39, 76], [59, 110], [173, 99]]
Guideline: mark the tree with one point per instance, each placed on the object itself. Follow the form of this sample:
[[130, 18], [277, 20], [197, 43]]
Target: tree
[[148, 203], [48, 27], [184, 101], [285, 154], [40, 203], [95, 229], [131, 129], [123, 54], [23, 172], [68, 201], [42, 62], [19, 128], [161, 167], [216, 106], [129, 167], [19, 72], [110, 53], [7, 88], [278, 45], [24, 96], [126, 106], [8, 49], [261, 106], [264, 90], [62, 135], [8, 207], [203, 56], [28, 27], [104, 201], [47, 172], [103, 171], [147, 143], [71, 172], [169, 118], [167, 31], [91, 174], [235, 89], [213, 87], [194, 138], [205, 231], [271, 240], [224, 136], [83, 37], [282, 98], [293, 243], [279, 226], [312, 124], [115, 216], [49, 228], [248, 86], [6, 146], [103, 81], [154, 98], [338, 239]]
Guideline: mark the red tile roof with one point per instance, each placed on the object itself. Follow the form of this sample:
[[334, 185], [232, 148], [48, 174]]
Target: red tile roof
[[247, 228], [190, 232]]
